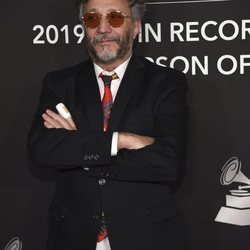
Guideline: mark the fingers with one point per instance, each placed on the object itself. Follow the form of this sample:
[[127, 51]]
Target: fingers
[[48, 125], [133, 141], [148, 140], [50, 122], [143, 141], [54, 120], [71, 122]]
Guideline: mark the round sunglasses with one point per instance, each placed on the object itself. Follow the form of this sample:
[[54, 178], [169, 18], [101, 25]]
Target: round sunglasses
[[115, 19]]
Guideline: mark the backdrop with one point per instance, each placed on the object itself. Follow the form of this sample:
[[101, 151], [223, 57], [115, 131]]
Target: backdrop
[[209, 40]]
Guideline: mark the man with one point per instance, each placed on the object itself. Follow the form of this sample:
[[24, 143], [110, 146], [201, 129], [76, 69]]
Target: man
[[120, 151]]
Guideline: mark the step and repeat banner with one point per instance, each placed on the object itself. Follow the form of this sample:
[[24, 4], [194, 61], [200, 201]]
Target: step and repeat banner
[[209, 40]]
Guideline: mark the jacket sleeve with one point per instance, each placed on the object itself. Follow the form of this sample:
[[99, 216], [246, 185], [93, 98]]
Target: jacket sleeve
[[164, 160], [61, 148]]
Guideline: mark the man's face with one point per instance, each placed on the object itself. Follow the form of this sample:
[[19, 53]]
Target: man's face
[[107, 44]]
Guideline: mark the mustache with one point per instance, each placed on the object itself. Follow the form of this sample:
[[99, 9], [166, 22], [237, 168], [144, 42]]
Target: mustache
[[105, 37]]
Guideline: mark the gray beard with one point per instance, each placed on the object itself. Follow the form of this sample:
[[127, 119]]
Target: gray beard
[[107, 56]]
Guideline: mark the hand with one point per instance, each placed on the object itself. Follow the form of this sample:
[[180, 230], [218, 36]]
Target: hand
[[54, 120], [133, 141]]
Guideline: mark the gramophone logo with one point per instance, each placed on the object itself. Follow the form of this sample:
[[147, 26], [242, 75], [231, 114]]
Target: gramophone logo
[[14, 244], [237, 209]]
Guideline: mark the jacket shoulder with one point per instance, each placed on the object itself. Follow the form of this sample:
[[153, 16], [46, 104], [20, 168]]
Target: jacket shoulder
[[155, 69], [159, 75], [59, 79]]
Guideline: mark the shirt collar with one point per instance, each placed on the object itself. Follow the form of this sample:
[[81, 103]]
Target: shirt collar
[[120, 70]]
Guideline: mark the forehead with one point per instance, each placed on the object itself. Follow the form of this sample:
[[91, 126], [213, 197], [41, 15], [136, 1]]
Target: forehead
[[103, 5]]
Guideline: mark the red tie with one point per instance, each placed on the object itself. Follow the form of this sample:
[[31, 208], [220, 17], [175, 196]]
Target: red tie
[[107, 100], [102, 234]]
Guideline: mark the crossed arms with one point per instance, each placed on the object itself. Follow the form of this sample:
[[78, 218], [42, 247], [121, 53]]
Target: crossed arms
[[125, 140], [56, 142]]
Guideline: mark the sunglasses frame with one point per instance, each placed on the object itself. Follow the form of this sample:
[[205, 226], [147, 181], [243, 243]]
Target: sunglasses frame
[[107, 16]]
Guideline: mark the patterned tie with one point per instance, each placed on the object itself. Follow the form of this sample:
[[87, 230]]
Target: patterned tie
[[107, 100], [102, 234], [107, 103]]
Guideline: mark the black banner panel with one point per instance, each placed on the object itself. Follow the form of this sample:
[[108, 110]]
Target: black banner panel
[[209, 40]]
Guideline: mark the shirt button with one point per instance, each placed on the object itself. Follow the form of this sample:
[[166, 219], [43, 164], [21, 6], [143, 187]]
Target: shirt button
[[101, 182]]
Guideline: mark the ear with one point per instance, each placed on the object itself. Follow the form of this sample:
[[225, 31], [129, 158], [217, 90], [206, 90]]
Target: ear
[[137, 28]]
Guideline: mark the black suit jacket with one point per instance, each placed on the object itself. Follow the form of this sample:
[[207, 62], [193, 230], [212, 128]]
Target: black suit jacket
[[134, 188]]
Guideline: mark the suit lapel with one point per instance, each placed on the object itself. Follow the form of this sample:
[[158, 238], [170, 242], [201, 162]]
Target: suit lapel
[[130, 81], [90, 97]]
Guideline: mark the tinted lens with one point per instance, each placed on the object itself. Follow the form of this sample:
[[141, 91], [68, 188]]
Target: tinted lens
[[91, 20], [115, 18]]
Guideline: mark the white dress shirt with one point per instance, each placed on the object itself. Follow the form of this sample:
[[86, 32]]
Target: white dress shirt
[[115, 84]]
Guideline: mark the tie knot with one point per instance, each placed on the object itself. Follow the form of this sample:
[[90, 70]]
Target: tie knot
[[107, 79]]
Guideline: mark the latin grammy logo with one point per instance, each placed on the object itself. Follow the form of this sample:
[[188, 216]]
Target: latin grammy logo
[[237, 209]]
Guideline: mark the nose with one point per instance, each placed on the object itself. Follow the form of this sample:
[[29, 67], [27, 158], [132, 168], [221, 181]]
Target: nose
[[104, 26]]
